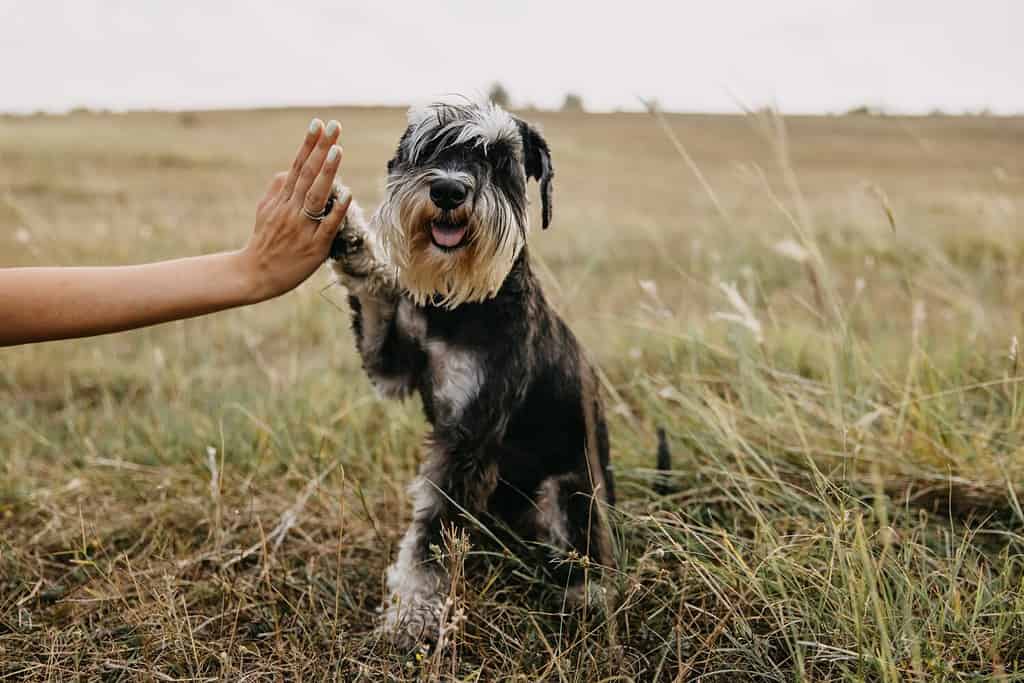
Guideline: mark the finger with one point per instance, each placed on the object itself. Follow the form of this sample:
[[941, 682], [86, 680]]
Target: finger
[[316, 126], [317, 196], [315, 160], [328, 227]]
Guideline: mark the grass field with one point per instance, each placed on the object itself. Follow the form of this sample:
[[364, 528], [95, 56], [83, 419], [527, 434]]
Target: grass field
[[821, 315]]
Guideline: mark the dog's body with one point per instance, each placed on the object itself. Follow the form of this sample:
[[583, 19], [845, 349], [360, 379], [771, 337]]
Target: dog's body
[[444, 303]]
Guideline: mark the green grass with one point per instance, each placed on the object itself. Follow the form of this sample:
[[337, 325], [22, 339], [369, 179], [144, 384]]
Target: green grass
[[219, 498]]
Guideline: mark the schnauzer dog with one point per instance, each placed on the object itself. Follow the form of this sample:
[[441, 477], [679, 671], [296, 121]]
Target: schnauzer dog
[[444, 303]]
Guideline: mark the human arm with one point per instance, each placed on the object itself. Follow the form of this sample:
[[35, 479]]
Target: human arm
[[41, 304]]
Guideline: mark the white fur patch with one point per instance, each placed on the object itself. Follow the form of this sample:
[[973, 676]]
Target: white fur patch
[[457, 374], [484, 124], [426, 499]]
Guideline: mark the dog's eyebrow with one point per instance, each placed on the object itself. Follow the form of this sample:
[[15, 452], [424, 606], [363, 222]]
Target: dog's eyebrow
[[448, 125]]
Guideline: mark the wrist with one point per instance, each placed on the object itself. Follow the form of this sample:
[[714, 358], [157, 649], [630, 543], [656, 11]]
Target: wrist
[[250, 281]]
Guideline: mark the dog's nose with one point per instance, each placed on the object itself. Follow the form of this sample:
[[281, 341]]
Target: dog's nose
[[447, 193]]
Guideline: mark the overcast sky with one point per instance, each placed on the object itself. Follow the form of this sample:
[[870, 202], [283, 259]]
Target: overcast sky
[[801, 55]]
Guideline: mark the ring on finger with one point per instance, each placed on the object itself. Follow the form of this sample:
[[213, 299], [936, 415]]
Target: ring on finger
[[326, 211], [317, 216]]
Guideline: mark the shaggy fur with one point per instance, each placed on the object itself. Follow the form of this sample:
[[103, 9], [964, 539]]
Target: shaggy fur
[[445, 304]]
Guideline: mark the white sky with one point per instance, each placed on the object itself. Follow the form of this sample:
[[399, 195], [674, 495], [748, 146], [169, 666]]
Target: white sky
[[801, 55]]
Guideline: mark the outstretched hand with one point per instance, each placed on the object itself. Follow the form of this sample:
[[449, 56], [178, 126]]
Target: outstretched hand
[[286, 245]]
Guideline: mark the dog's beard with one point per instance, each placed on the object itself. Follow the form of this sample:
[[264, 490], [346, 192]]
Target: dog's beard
[[473, 270]]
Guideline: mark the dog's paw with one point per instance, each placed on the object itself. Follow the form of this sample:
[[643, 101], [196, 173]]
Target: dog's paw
[[350, 251], [591, 596], [411, 624], [355, 261]]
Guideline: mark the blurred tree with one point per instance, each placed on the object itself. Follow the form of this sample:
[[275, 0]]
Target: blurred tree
[[499, 95], [572, 102], [865, 110]]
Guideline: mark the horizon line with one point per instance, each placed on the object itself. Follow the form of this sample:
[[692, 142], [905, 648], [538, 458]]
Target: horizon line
[[860, 110]]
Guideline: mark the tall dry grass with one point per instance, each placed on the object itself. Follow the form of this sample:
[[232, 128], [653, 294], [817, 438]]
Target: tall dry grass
[[821, 312]]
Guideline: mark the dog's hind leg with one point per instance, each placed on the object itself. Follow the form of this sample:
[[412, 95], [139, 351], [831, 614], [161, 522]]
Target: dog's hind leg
[[571, 516], [570, 523]]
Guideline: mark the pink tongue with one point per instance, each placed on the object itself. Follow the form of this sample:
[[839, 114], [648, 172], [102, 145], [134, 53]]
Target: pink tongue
[[448, 238]]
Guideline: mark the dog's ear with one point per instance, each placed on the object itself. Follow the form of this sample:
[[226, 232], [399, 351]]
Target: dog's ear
[[396, 159], [537, 158], [400, 150]]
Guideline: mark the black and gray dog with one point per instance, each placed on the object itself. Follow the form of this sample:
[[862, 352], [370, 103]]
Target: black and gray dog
[[444, 303]]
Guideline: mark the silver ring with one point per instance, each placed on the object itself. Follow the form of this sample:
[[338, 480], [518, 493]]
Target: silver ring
[[318, 216], [325, 211]]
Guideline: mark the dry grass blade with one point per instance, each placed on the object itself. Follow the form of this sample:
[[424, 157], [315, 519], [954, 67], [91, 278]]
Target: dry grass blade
[[847, 448]]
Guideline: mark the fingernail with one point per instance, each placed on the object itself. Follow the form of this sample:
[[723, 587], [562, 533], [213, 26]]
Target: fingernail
[[335, 152], [314, 125], [333, 127]]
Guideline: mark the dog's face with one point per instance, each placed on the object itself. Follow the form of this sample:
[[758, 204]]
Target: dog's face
[[455, 217]]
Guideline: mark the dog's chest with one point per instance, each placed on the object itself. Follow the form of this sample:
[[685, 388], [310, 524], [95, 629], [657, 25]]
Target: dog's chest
[[455, 373]]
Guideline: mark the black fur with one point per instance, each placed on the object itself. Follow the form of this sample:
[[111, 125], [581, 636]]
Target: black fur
[[524, 441], [662, 486], [528, 418], [537, 160]]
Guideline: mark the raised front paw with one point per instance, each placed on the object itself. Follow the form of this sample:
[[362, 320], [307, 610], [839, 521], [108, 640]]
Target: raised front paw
[[355, 258], [351, 250]]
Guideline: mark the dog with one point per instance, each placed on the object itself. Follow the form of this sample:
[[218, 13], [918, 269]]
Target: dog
[[444, 303]]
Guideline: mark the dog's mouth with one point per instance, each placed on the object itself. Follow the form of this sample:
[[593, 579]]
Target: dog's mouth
[[448, 234]]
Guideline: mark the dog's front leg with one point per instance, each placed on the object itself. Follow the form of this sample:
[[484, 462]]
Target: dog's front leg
[[390, 357], [458, 476], [418, 580]]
